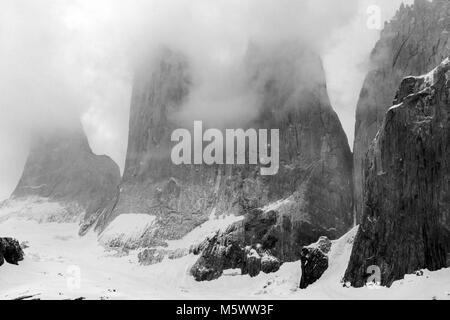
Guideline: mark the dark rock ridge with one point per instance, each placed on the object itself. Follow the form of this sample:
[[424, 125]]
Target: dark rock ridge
[[10, 251], [315, 159], [257, 243], [262, 241], [414, 42], [61, 167], [315, 176], [314, 259], [224, 253], [406, 213]]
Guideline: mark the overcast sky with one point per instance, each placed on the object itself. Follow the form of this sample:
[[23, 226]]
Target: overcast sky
[[66, 59]]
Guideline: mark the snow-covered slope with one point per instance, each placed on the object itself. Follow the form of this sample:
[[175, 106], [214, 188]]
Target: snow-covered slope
[[127, 230], [59, 264], [40, 209], [61, 168]]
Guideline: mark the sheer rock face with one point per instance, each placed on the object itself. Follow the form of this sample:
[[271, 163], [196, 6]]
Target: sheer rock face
[[315, 159], [414, 42], [406, 214], [315, 176], [180, 197], [62, 168]]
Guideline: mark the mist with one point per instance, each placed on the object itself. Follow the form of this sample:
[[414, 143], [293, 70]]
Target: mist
[[64, 61]]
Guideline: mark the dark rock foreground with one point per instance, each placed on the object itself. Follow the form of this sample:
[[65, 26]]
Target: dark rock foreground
[[314, 260], [10, 251], [406, 213]]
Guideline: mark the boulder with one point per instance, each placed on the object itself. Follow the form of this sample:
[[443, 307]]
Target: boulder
[[269, 263], [221, 253], [251, 263], [314, 264], [10, 251]]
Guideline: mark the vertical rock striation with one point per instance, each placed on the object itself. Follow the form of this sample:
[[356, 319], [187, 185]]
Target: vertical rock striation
[[179, 197], [414, 42], [406, 212], [311, 195], [314, 260]]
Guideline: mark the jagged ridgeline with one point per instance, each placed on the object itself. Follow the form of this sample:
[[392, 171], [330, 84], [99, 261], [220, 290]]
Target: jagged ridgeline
[[312, 189], [63, 180], [414, 42], [406, 212]]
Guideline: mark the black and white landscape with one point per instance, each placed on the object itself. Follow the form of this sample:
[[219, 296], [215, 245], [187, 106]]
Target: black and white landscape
[[359, 207]]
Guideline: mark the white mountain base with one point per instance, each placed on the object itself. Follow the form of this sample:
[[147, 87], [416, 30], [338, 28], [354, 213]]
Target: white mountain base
[[61, 265]]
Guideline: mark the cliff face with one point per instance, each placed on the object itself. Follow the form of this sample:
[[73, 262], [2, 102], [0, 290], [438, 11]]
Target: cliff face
[[406, 212], [180, 197], [414, 42], [315, 159], [62, 168]]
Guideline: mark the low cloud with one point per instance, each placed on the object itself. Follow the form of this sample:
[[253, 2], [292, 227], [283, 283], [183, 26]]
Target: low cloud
[[64, 60]]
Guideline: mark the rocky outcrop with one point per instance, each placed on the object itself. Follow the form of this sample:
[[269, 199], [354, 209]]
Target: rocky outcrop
[[414, 42], [406, 212], [315, 159], [62, 168], [224, 256], [260, 242], [250, 245], [220, 253], [10, 251], [269, 263], [314, 259]]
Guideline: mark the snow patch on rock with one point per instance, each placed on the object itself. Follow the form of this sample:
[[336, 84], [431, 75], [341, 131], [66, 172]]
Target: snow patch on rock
[[127, 230]]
